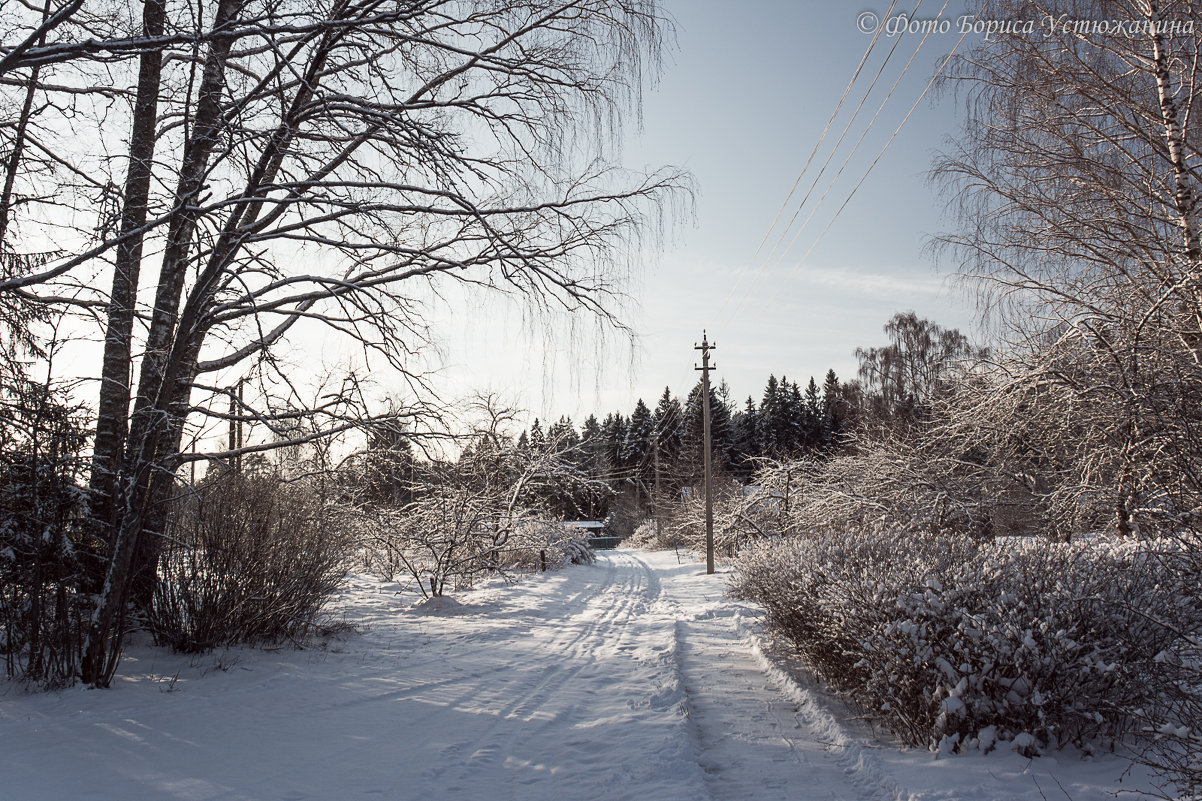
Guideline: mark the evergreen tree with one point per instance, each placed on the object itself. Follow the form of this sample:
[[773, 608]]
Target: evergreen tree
[[590, 429], [593, 447], [745, 448], [388, 466], [814, 422], [563, 434], [768, 420], [793, 419], [636, 445], [538, 440], [721, 433], [726, 398], [669, 420], [834, 410], [613, 436]]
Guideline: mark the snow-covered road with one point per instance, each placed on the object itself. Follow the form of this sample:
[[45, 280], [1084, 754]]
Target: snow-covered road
[[631, 679]]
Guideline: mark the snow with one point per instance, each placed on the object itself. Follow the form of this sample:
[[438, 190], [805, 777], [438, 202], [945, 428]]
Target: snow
[[634, 678]]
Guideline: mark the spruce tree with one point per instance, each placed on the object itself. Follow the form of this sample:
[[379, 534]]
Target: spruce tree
[[768, 419], [563, 434], [668, 420], [745, 448], [636, 450], [793, 434], [538, 440], [814, 422], [721, 433], [613, 436], [833, 412]]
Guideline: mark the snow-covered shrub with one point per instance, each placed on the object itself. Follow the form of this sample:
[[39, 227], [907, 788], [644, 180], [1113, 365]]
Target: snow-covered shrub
[[535, 540], [956, 643], [1172, 725], [450, 538], [495, 508], [444, 540], [683, 525], [246, 559], [885, 481], [646, 537]]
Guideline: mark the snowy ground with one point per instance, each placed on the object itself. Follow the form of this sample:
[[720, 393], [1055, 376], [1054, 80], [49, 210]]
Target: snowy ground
[[631, 679]]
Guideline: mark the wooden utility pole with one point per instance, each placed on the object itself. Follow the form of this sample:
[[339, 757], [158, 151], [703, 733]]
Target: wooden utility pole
[[233, 441], [655, 491], [236, 427], [705, 347]]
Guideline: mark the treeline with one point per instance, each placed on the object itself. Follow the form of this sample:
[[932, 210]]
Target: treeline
[[648, 456]]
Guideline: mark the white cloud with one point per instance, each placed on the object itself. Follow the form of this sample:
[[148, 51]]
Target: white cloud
[[874, 284]]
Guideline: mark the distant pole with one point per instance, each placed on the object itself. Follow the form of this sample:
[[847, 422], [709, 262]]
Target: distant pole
[[236, 427], [655, 492], [233, 460], [705, 347]]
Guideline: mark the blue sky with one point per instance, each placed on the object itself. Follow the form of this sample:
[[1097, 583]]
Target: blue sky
[[741, 103]]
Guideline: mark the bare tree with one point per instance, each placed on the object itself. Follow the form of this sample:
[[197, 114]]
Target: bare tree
[[320, 164], [1077, 182], [483, 512], [1077, 178], [903, 378]]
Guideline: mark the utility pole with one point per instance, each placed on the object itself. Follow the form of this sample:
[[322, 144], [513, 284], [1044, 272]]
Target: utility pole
[[236, 427], [655, 491], [233, 442], [705, 347]]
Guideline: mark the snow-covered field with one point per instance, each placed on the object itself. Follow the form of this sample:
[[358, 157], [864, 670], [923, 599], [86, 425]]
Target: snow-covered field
[[631, 679]]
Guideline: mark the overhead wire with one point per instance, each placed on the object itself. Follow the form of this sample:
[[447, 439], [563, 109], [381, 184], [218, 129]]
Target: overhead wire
[[864, 135], [628, 471], [879, 155], [817, 145], [851, 154], [843, 135]]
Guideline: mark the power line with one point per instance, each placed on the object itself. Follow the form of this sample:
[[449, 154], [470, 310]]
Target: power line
[[855, 148], [838, 107], [830, 157], [863, 135], [864, 177]]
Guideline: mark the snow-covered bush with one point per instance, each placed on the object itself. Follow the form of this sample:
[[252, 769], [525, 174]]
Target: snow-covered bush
[[646, 537], [682, 525], [956, 643], [885, 481], [246, 559], [450, 538], [539, 543], [1172, 725], [495, 508]]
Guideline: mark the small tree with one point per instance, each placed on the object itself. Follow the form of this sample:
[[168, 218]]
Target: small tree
[[42, 502], [479, 513]]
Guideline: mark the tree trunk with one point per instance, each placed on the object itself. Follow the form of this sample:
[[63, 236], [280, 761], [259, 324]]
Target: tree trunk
[[116, 370], [150, 426]]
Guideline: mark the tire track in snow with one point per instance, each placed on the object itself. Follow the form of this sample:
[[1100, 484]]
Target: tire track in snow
[[584, 665]]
